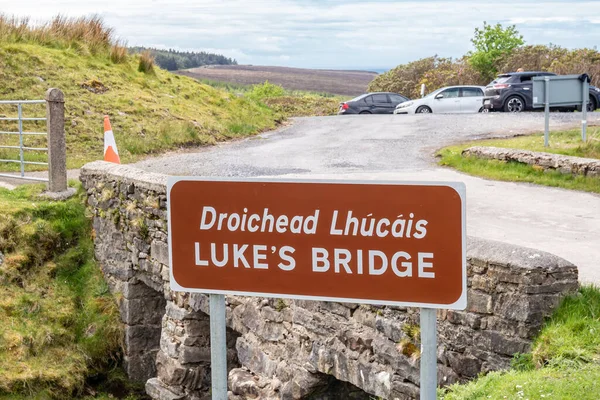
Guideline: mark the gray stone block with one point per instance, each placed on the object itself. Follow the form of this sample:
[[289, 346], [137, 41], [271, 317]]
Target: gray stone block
[[156, 390], [141, 366], [479, 302], [141, 339], [160, 252]]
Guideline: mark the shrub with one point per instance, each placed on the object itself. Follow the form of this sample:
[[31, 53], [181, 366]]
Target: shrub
[[531, 58], [405, 78], [266, 90], [554, 59], [579, 61], [146, 64], [434, 72], [303, 106], [449, 73], [118, 54]]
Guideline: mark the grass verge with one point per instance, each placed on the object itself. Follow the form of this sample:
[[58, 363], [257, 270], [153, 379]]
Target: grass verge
[[564, 362], [59, 325], [565, 142]]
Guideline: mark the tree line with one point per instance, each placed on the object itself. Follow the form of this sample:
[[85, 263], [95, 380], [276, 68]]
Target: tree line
[[496, 50], [172, 60]]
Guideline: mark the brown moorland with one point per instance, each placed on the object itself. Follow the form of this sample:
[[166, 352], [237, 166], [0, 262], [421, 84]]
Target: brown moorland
[[341, 82]]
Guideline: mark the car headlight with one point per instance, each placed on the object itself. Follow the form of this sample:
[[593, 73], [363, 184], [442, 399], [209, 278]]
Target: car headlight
[[405, 104]]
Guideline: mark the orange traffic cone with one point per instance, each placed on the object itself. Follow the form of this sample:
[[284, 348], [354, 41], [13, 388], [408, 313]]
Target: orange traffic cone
[[111, 154]]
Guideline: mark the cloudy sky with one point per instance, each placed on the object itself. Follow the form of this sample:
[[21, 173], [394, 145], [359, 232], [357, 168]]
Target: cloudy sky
[[326, 33]]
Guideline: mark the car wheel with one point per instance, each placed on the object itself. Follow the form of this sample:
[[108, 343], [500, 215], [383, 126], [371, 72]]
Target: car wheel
[[365, 112], [423, 110], [591, 105], [514, 104], [484, 110]]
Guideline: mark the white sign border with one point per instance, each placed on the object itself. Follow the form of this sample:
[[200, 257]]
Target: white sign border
[[459, 187]]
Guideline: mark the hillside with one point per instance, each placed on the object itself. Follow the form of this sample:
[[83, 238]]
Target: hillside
[[340, 82], [150, 112], [172, 60]]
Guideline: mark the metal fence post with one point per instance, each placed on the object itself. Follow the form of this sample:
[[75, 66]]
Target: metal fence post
[[57, 149], [21, 140]]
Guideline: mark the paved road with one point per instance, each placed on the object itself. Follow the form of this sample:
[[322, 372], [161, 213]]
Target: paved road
[[566, 223]]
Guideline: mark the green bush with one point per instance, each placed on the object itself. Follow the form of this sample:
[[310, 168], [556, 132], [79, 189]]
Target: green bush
[[266, 91], [492, 43], [405, 79]]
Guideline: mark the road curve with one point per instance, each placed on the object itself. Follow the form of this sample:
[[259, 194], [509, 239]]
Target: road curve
[[566, 223]]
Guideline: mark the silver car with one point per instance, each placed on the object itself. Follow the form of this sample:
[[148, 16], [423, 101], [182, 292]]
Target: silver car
[[451, 99]]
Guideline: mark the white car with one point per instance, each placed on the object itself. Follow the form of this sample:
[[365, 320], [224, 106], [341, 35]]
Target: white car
[[450, 99]]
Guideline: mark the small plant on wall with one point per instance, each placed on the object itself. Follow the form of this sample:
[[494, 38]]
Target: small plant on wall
[[410, 345]]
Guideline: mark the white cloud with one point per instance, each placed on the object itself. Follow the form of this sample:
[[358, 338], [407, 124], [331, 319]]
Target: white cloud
[[327, 33]]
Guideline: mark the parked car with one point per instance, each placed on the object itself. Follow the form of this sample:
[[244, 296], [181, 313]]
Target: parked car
[[512, 92], [450, 99], [372, 103]]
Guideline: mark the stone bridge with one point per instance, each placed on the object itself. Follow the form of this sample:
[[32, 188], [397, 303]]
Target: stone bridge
[[284, 349]]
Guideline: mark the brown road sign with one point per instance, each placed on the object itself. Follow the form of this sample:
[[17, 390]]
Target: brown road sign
[[367, 242]]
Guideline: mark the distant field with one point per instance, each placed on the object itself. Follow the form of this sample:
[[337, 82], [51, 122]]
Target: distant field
[[349, 83]]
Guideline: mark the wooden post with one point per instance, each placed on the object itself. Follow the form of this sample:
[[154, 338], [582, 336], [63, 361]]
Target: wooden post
[[57, 148]]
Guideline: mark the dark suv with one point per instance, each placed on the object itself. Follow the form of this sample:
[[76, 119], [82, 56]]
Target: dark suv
[[372, 103], [512, 93]]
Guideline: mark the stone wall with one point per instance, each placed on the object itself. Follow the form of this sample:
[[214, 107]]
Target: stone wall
[[285, 349], [545, 161]]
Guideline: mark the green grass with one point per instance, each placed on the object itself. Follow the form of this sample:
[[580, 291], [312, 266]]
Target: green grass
[[547, 383], [59, 325], [564, 362], [567, 143], [228, 86], [572, 336]]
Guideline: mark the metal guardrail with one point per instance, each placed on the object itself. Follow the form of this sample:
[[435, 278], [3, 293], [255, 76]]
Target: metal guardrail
[[21, 147]]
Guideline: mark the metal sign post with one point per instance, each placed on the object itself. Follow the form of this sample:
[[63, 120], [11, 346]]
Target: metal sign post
[[319, 240], [218, 347], [567, 90], [586, 98], [428, 354], [547, 111]]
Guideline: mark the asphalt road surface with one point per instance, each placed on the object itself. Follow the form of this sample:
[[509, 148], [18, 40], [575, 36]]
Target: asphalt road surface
[[389, 147]]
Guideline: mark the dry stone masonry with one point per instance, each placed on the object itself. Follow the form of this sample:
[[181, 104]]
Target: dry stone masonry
[[284, 349], [546, 161]]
